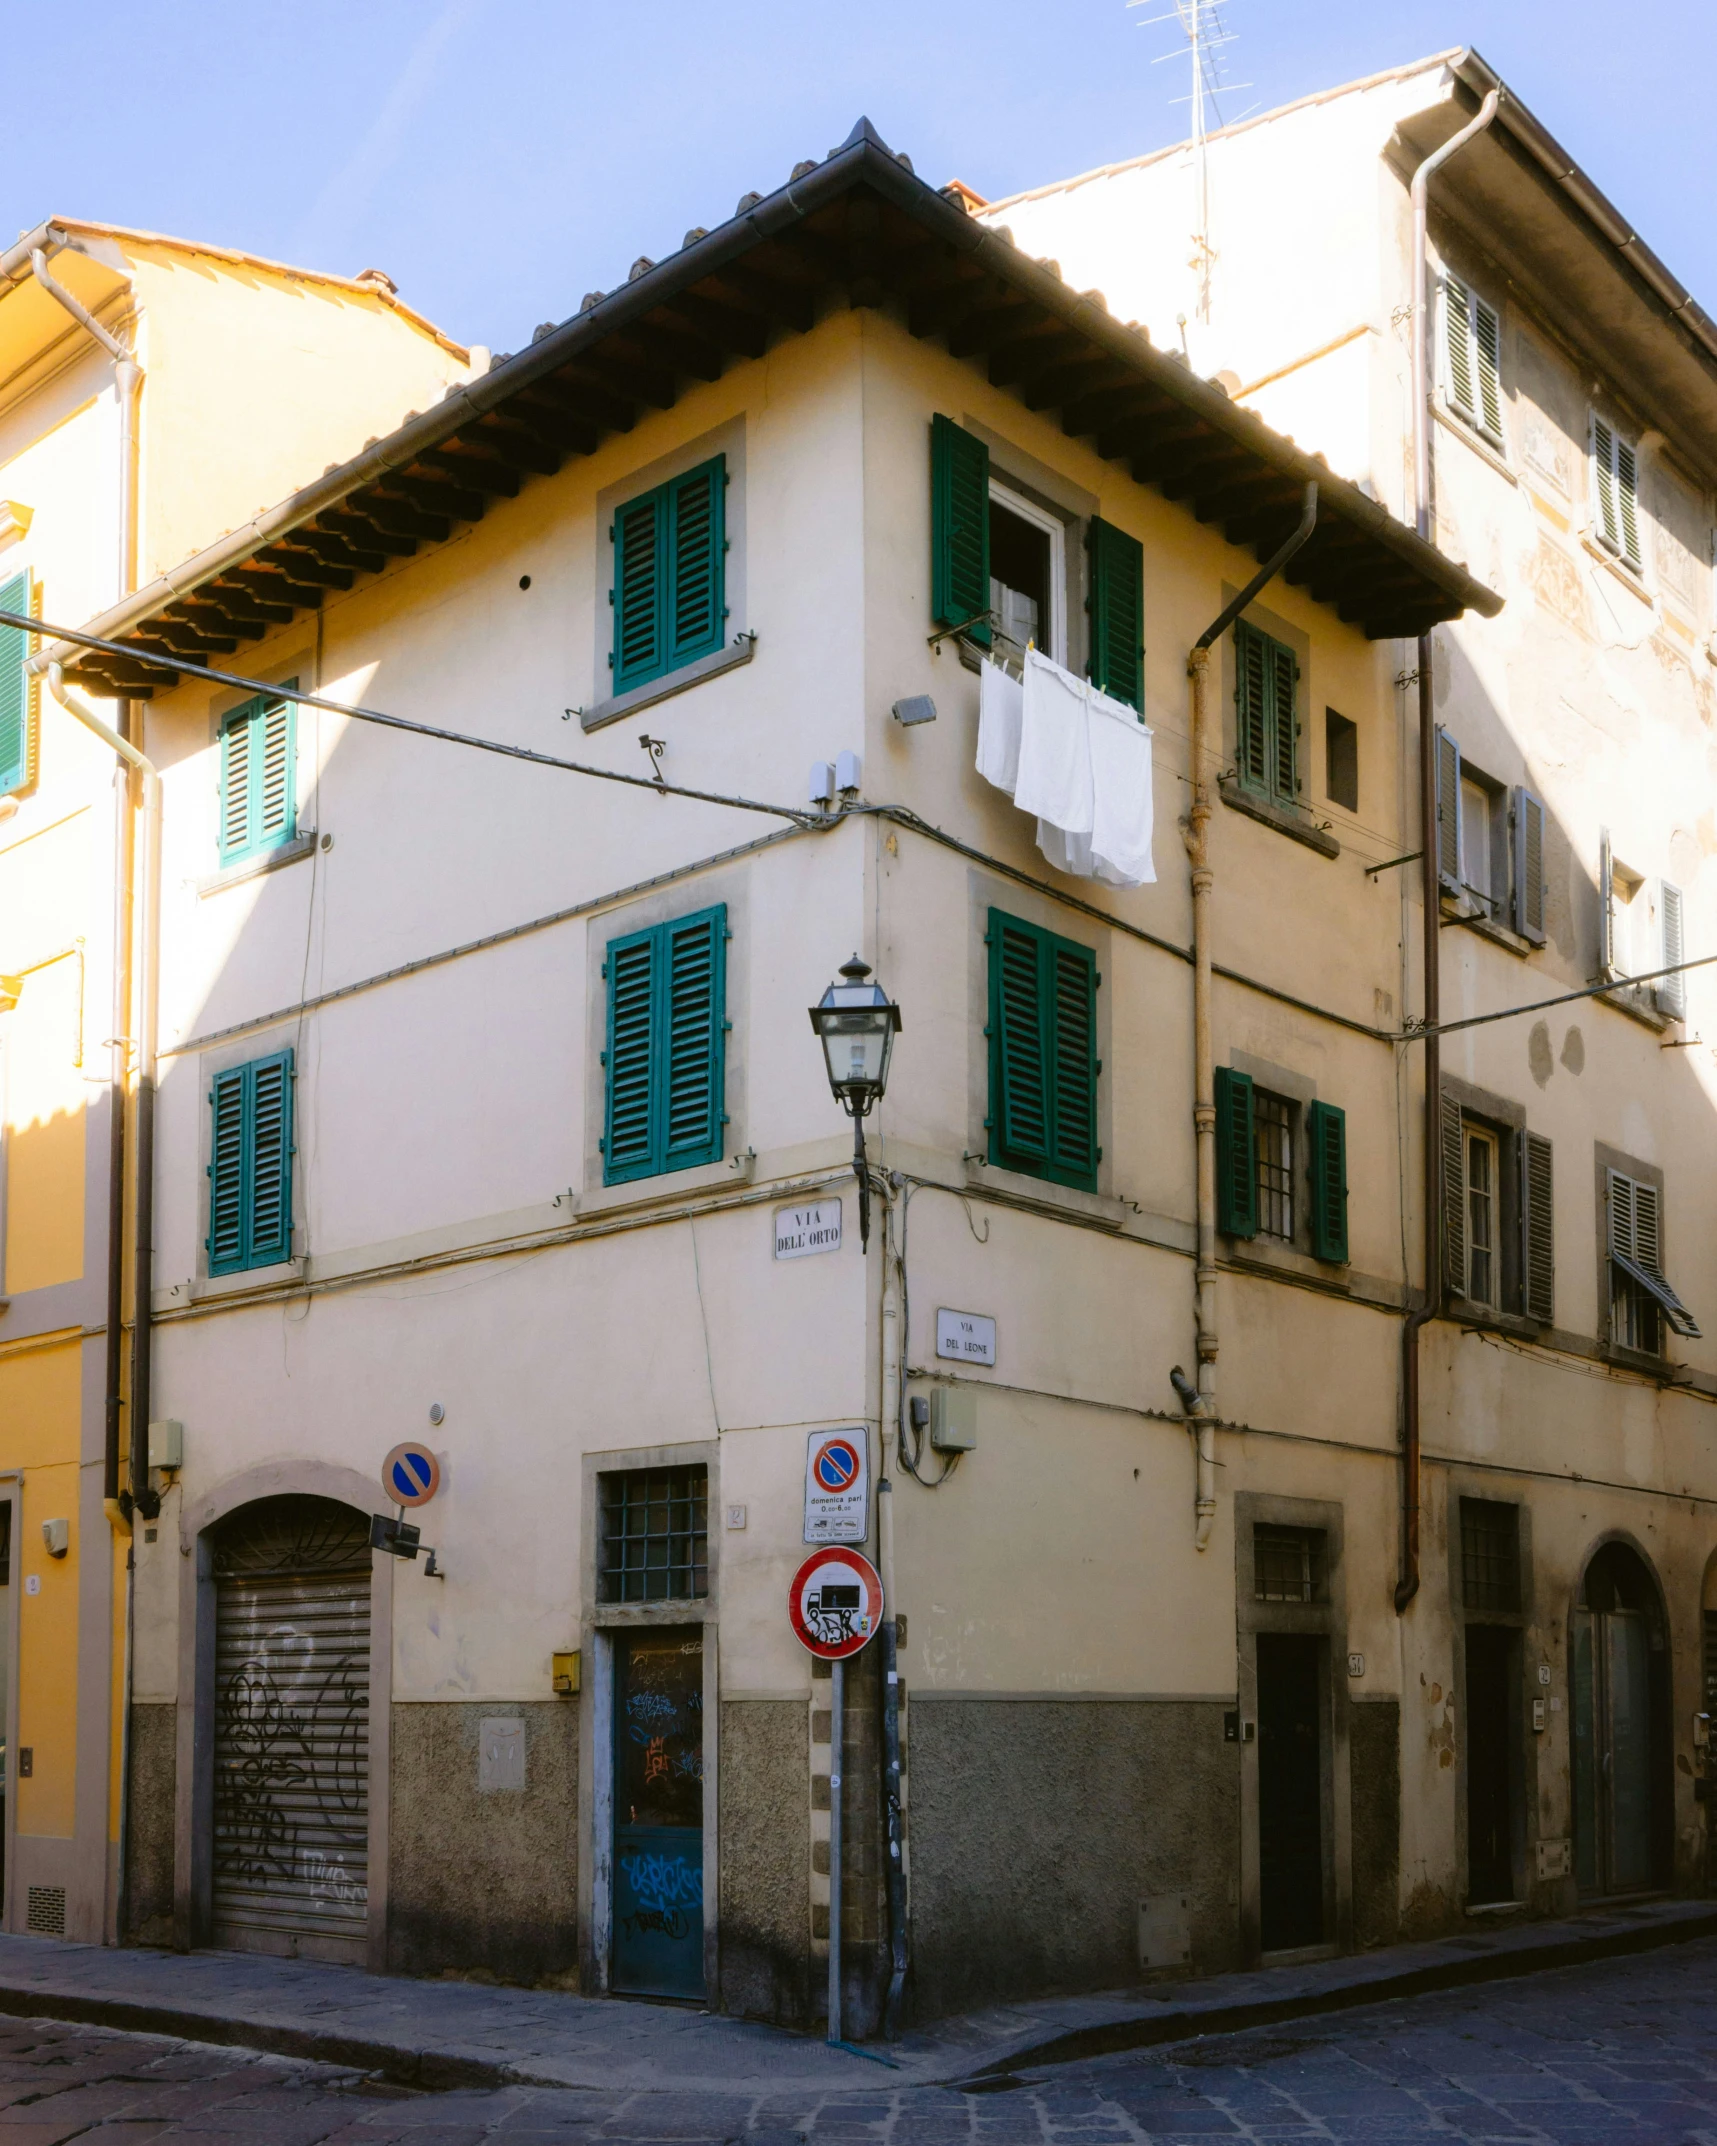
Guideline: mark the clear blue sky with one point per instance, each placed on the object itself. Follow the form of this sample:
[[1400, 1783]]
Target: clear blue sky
[[500, 157]]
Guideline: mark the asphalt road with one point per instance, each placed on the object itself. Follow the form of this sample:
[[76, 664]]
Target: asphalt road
[[1624, 2050]]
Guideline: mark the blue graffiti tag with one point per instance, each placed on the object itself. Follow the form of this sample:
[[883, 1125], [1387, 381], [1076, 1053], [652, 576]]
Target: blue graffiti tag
[[663, 1882]]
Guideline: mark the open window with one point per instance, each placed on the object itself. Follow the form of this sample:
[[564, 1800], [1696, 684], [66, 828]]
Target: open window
[[1499, 1217], [1641, 1300], [1028, 576], [1615, 494], [1490, 845], [1472, 359], [1642, 934]]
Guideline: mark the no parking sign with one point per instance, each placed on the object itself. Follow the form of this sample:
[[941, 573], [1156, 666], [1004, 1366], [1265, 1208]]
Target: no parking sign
[[837, 1486]]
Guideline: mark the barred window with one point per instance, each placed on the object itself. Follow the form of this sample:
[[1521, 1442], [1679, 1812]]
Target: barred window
[[1273, 1130], [1288, 1564], [1490, 1555], [654, 1535]]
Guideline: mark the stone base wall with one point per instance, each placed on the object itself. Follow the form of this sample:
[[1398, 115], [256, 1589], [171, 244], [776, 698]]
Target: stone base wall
[[149, 1876], [483, 1880], [766, 1969], [1374, 1778]]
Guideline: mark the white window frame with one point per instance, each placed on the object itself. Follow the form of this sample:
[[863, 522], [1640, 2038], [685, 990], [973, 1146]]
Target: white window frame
[[1462, 311], [1611, 455], [1473, 1134], [1055, 529]]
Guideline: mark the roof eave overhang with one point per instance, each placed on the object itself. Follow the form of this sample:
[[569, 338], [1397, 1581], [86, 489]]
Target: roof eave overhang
[[860, 223]]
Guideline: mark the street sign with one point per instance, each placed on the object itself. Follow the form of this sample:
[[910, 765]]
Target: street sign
[[837, 1486], [835, 1603], [411, 1474], [813, 1226], [967, 1336]]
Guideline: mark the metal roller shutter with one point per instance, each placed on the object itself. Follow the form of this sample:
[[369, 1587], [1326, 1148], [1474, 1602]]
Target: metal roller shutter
[[292, 1705]]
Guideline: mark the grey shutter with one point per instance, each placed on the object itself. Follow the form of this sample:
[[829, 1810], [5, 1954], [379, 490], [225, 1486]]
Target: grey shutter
[[1605, 518], [1285, 724], [1454, 1200], [1627, 501], [1537, 1227], [1636, 1246], [1487, 341], [1251, 705], [1457, 333], [1606, 906], [1529, 866], [1448, 813], [1671, 990]]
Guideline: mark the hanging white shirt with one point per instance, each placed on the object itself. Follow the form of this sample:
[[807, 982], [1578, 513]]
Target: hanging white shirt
[[1084, 772], [1001, 708]]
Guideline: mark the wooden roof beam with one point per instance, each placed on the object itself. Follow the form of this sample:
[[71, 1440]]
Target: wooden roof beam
[[457, 462], [292, 558]]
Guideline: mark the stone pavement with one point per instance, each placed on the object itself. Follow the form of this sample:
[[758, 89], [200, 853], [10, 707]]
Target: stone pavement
[[1620, 2052], [444, 2034]]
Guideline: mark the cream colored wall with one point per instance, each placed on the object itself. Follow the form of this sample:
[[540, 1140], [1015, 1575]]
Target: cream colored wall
[[256, 380]]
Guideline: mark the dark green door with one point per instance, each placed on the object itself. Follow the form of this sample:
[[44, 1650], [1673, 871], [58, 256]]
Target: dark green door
[[658, 1814], [1290, 1792]]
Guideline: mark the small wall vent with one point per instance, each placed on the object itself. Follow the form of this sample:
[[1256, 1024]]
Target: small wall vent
[[45, 1912]]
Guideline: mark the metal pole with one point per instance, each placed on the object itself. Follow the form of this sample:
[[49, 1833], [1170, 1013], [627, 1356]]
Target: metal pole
[[837, 1702]]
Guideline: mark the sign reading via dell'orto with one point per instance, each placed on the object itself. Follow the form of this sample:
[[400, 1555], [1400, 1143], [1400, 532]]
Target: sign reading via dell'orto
[[814, 1226], [837, 1486], [835, 1603]]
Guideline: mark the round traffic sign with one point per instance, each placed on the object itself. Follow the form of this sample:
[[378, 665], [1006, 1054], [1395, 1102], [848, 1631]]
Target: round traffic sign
[[411, 1474], [837, 1464], [835, 1603]]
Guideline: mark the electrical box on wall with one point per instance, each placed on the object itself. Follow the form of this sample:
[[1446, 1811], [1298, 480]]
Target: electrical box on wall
[[1165, 1936], [167, 1444], [953, 1419], [566, 1674], [57, 1537]]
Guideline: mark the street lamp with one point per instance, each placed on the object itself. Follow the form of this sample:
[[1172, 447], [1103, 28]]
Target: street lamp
[[858, 1025]]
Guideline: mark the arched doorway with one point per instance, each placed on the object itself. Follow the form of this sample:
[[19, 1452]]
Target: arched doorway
[[1621, 1727], [290, 1866]]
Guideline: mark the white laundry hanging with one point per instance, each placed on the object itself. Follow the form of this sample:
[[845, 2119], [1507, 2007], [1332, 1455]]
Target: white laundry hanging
[[1075, 759]]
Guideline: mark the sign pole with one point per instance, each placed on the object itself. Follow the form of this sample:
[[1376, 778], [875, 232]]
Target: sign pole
[[837, 1709]]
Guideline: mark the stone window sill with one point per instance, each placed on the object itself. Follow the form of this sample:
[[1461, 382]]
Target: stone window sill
[[1626, 1359], [655, 1191], [1488, 1318], [271, 860], [1298, 825], [1632, 1001], [1043, 1192], [204, 1288], [1631, 578], [1487, 927], [1468, 434], [740, 650]]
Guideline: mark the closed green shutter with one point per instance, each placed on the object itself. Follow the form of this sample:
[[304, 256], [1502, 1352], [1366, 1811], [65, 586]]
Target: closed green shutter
[[665, 1055], [670, 576], [250, 1166], [1236, 1155], [1117, 664], [1326, 1135], [1043, 1053], [1266, 718], [258, 800], [959, 530], [16, 741], [1538, 1225]]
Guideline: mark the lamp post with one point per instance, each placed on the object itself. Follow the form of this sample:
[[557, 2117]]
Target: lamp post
[[858, 1024]]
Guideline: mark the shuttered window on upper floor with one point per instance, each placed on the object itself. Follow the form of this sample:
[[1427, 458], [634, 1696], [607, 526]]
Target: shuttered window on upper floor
[[1256, 1148], [18, 692], [1266, 716], [664, 1064], [1615, 493], [258, 779], [1472, 355], [1490, 844], [959, 530], [1640, 1296], [670, 576], [1499, 1214], [1117, 605], [250, 1165], [1043, 1053]]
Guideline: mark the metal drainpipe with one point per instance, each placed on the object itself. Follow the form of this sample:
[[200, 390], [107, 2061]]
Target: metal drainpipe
[[893, 1380], [1431, 1194], [1201, 1415]]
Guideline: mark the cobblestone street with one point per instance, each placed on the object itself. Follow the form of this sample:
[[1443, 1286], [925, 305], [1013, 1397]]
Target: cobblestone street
[[1623, 2050]]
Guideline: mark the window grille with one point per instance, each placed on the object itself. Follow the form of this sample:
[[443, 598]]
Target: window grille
[[1273, 1135], [1288, 1564], [655, 1535], [1490, 1555]]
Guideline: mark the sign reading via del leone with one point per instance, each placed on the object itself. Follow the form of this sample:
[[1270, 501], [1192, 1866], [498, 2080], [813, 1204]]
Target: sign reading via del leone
[[802, 1231], [837, 1486], [967, 1336]]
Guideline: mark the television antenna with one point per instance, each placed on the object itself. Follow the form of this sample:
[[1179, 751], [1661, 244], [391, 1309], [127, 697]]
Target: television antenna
[[1203, 27]]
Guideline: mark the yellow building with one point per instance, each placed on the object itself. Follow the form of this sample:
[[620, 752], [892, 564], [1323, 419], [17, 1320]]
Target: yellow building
[[131, 368]]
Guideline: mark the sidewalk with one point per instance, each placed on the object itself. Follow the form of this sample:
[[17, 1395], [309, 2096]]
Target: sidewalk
[[461, 2034]]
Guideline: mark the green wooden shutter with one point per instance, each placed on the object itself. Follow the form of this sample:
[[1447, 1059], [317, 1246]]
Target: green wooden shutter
[[628, 1145], [258, 779], [1117, 665], [1454, 1199], [959, 529], [270, 1159], [273, 772], [1073, 1151], [1529, 866], [1627, 500], [1538, 1226], [1605, 512], [1251, 707], [1457, 334], [1487, 344], [665, 1055], [1236, 1155], [225, 1242], [696, 610], [1326, 1135], [16, 742], [1043, 1053], [1284, 724], [640, 589], [693, 967], [1019, 1075]]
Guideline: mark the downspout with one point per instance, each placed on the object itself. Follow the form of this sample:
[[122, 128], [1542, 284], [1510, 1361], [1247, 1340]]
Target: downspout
[[1431, 1192], [1201, 1409], [894, 1828]]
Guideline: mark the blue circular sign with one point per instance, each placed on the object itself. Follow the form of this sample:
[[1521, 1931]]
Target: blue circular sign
[[837, 1464], [411, 1475]]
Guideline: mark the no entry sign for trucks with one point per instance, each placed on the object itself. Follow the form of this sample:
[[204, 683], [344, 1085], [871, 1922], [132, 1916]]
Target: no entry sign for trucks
[[835, 1603]]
